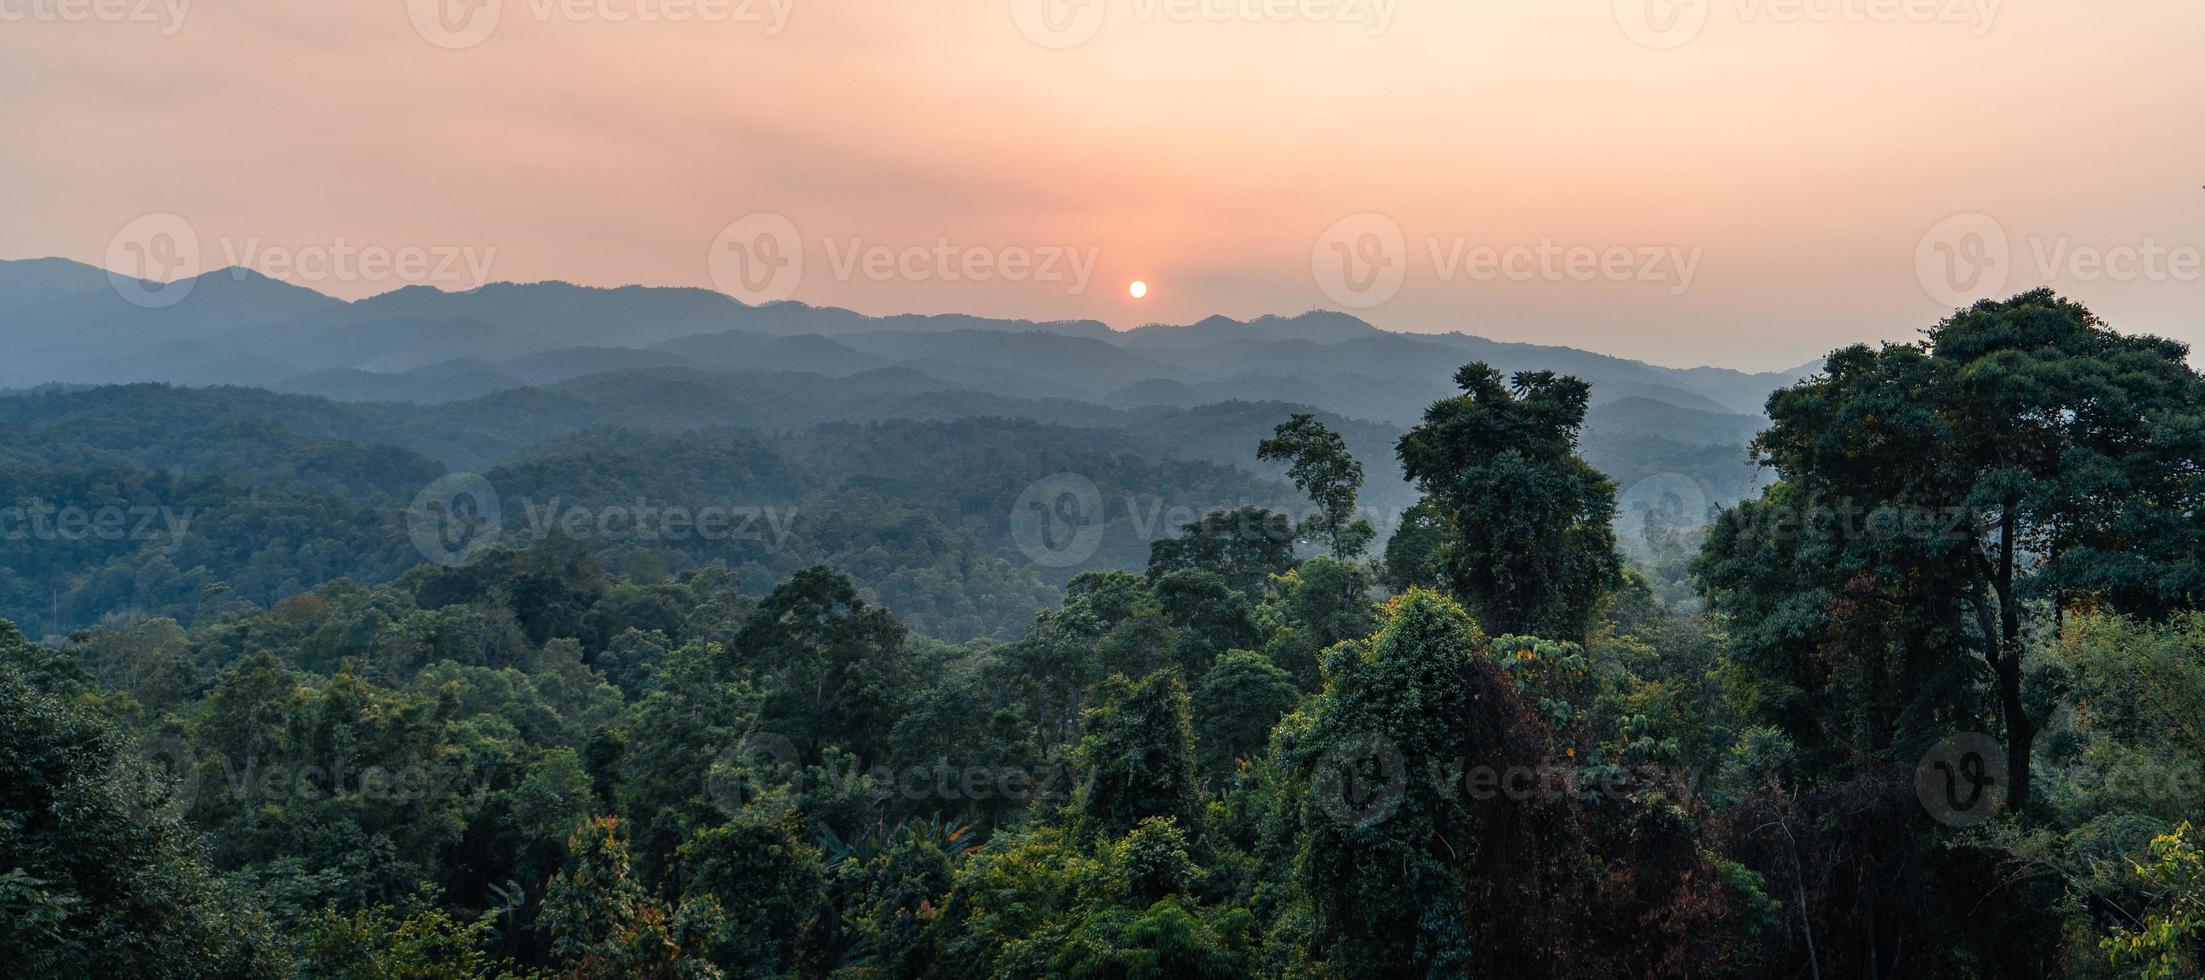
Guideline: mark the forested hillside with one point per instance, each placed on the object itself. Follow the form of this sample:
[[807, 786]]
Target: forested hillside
[[681, 671]]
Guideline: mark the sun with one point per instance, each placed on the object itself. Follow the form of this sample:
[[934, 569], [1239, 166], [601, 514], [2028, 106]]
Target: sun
[[1138, 289]]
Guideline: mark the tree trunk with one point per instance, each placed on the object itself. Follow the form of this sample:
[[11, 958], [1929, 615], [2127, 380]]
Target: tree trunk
[[2021, 733]]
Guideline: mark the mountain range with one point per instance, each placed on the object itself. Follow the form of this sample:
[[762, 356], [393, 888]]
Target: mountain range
[[418, 343], [709, 359]]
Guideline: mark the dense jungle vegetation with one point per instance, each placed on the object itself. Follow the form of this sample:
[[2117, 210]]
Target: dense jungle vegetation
[[1927, 701]]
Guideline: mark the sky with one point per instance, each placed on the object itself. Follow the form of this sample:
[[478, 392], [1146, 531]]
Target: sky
[[1744, 183]]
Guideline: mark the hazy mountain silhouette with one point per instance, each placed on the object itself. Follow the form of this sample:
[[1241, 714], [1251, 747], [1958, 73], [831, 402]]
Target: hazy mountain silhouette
[[658, 355]]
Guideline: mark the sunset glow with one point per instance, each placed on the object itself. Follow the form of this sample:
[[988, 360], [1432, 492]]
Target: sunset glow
[[1222, 150]]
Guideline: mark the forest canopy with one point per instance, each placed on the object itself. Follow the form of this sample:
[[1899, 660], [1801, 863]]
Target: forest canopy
[[1012, 698]]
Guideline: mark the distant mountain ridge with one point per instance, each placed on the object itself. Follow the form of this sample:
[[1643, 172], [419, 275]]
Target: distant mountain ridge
[[237, 326], [468, 380]]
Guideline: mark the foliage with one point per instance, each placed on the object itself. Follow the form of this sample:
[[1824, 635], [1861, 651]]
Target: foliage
[[1533, 548], [895, 745], [1322, 467], [388, 943], [1244, 546], [2171, 937], [1137, 758], [103, 877], [1420, 876]]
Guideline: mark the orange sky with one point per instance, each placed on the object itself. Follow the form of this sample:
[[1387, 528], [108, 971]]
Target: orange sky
[[1795, 154]]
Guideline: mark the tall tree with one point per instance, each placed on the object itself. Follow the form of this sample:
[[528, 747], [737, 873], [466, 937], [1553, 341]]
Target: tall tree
[[833, 667], [1533, 549], [2021, 452], [1416, 554], [1241, 697], [1319, 463], [602, 921], [1137, 759], [1432, 842], [1247, 546]]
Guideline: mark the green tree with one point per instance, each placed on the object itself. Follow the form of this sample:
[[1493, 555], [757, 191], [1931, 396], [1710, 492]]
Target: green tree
[[1321, 466], [419, 942], [1406, 872], [601, 920], [1320, 603], [1245, 546], [900, 890], [1533, 546], [765, 888], [2169, 942], [1416, 553], [833, 667], [1930, 492], [1241, 697], [1137, 758], [698, 715], [1210, 617], [102, 876]]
